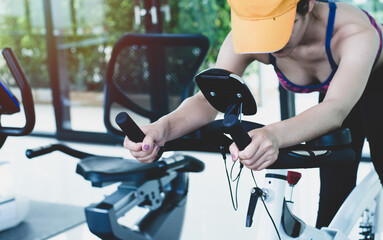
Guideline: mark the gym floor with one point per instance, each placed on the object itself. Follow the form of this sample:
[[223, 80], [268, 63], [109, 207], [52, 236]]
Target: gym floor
[[209, 213]]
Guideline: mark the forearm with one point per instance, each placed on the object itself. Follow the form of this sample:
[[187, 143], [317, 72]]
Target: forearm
[[196, 111], [314, 122], [192, 114]]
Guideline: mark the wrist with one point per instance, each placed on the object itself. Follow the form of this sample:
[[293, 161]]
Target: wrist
[[273, 133], [162, 127]]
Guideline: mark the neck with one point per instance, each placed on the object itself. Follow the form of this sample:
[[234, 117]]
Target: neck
[[312, 32], [312, 22]]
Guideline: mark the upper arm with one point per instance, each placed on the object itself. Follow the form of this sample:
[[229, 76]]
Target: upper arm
[[357, 54]]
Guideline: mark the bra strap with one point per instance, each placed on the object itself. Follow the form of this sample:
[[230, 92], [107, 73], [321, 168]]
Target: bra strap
[[329, 31], [272, 60]]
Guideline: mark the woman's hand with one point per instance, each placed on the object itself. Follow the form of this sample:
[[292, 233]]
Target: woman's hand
[[146, 151], [260, 153]]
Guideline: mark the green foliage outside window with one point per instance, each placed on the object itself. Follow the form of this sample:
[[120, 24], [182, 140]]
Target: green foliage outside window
[[86, 31], [28, 43], [208, 17]]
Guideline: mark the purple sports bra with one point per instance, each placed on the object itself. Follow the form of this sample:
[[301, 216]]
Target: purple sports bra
[[322, 87]]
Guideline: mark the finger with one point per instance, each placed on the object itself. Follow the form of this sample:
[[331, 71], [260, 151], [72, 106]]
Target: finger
[[132, 146], [264, 161], [140, 154], [263, 166], [254, 162], [265, 148], [150, 157], [148, 144], [258, 154], [234, 151], [250, 152]]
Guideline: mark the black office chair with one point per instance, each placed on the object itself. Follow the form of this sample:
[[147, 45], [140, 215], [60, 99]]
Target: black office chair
[[151, 74]]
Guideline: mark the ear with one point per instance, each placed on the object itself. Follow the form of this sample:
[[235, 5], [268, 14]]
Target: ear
[[311, 5]]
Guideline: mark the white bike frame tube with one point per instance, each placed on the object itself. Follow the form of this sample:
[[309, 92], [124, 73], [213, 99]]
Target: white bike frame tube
[[313, 233], [351, 210], [378, 228], [275, 186]]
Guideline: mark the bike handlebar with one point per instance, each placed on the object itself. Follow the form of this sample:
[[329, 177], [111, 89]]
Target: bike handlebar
[[211, 137], [129, 127], [132, 131], [36, 152], [338, 152], [236, 131]]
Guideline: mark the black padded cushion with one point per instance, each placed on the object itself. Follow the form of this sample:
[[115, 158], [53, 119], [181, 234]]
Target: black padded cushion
[[336, 138], [101, 170]]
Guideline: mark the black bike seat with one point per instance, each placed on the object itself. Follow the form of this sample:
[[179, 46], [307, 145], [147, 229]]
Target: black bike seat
[[101, 170]]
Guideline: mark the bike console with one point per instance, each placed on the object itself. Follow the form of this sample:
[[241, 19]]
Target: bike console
[[224, 89]]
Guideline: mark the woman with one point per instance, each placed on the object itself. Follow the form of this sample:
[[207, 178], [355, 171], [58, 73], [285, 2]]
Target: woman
[[333, 48]]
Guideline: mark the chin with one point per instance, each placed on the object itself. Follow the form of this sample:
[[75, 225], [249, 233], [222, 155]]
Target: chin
[[279, 54], [284, 52]]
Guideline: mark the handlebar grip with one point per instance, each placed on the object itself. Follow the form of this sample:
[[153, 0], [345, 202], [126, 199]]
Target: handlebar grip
[[236, 131], [129, 127], [31, 153]]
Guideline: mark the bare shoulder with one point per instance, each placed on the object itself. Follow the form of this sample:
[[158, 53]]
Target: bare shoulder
[[352, 28], [350, 21]]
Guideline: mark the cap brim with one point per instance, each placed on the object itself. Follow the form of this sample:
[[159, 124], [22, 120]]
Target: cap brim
[[262, 36]]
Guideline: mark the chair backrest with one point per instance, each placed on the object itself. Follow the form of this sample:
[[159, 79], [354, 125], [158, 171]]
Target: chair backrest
[[151, 74]]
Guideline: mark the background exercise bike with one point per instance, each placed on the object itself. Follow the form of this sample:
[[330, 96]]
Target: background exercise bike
[[161, 186], [12, 208]]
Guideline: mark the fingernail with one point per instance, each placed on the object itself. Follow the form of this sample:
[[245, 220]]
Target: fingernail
[[233, 157], [158, 148], [146, 147]]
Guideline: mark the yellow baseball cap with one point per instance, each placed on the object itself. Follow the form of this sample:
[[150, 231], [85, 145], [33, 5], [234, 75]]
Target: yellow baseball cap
[[260, 26]]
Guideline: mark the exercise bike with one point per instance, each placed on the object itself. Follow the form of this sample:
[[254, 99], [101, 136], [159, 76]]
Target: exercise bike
[[364, 201], [13, 209], [161, 186]]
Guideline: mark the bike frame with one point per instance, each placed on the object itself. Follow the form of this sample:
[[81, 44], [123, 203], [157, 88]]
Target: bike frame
[[368, 191]]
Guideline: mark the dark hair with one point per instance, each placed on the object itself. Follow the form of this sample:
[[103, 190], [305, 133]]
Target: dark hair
[[303, 7]]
